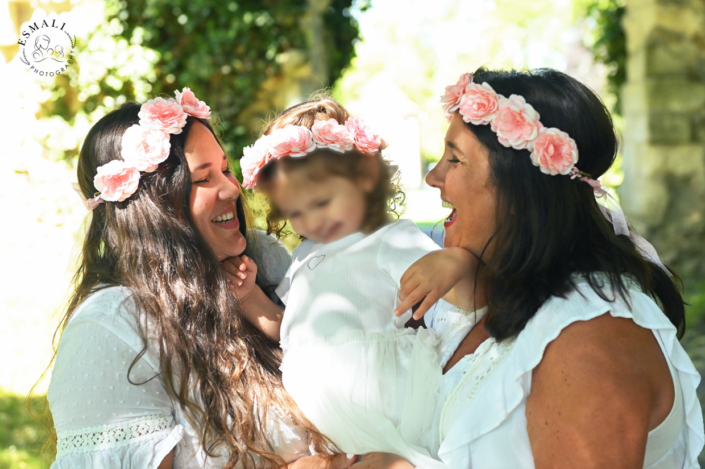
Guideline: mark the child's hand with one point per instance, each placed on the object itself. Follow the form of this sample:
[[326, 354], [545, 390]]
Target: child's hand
[[382, 461], [241, 272], [433, 276]]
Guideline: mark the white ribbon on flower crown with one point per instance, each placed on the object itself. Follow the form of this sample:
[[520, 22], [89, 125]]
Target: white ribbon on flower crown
[[614, 214]]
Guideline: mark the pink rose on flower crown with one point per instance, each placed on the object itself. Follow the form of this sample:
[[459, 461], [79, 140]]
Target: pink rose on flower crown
[[145, 148], [330, 134], [116, 180], [253, 159], [516, 123], [554, 152], [292, 140], [192, 105], [366, 140], [479, 105], [162, 114], [453, 94]]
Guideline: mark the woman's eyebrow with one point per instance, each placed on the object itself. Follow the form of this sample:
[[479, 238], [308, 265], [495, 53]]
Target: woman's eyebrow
[[455, 147]]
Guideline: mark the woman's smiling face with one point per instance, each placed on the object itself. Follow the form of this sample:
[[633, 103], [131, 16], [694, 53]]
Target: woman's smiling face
[[464, 177], [214, 192]]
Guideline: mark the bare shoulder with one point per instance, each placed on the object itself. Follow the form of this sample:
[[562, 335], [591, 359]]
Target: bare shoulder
[[601, 386]]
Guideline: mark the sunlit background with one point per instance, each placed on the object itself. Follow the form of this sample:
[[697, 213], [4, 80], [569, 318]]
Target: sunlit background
[[386, 60]]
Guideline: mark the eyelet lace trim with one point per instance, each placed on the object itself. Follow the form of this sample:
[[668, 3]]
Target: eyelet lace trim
[[88, 439]]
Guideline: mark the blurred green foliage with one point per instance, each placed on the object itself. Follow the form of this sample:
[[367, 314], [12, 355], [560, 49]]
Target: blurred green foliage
[[607, 41], [21, 437], [225, 51]]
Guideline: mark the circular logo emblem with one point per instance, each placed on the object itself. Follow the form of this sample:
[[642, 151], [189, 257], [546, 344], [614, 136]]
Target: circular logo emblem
[[46, 46]]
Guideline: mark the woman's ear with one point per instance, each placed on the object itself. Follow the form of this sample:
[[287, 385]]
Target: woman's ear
[[368, 173]]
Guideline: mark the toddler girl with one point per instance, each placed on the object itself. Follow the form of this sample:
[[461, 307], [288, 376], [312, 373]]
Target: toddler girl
[[363, 379]]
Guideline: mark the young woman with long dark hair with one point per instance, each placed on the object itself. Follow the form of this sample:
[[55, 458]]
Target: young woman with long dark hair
[[156, 366]]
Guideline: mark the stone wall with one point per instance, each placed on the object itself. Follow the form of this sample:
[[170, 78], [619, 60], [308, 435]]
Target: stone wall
[[664, 138]]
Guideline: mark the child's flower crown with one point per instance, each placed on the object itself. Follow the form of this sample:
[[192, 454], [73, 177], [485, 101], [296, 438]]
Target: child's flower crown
[[145, 145], [517, 125], [297, 140]]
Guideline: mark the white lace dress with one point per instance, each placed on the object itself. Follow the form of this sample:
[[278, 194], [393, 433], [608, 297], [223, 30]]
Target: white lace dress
[[103, 420], [483, 422], [364, 380]]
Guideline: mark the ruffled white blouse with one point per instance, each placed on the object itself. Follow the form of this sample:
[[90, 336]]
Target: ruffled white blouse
[[483, 424], [105, 420]]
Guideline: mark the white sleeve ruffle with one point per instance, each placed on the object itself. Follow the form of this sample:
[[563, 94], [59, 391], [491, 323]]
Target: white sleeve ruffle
[[102, 418]]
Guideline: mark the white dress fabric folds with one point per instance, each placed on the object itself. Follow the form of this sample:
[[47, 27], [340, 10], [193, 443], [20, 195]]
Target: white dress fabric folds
[[105, 420], [483, 424], [359, 376]]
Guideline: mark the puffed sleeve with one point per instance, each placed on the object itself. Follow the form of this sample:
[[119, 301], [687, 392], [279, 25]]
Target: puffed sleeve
[[102, 418], [402, 245]]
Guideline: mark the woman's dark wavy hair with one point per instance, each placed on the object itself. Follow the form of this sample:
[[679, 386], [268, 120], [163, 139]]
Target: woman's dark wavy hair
[[550, 227], [150, 244]]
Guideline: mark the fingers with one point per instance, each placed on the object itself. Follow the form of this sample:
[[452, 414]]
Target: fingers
[[238, 268], [408, 302], [425, 305], [341, 461], [248, 264], [233, 279]]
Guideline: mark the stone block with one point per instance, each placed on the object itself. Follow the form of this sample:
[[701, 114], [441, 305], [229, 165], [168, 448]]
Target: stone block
[[675, 95], [698, 121], [669, 128], [666, 55], [681, 160]]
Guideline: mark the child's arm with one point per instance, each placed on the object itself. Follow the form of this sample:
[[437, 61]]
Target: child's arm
[[448, 274], [256, 306]]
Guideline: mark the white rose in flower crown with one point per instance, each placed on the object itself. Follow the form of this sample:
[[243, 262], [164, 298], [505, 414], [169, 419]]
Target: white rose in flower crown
[[253, 159], [116, 181], [330, 134], [162, 114], [291, 140], [145, 148]]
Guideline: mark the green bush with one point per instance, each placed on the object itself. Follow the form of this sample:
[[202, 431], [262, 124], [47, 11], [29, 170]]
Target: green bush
[[21, 436], [225, 51]]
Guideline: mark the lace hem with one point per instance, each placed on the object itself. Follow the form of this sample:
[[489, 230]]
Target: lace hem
[[84, 440]]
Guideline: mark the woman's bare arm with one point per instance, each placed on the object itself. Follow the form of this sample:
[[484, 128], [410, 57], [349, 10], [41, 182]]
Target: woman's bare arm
[[599, 389], [168, 461]]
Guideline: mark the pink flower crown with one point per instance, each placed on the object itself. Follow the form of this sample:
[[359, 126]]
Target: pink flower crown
[[145, 145], [515, 122], [297, 140], [517, 125]]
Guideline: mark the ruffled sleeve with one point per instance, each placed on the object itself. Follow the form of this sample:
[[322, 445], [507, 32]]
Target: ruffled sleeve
[[510, 364], [102, 418]]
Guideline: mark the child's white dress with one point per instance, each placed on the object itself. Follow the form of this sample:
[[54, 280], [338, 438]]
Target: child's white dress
[[365, 381]]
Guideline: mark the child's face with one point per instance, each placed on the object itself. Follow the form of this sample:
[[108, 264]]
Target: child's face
[[322, 210]]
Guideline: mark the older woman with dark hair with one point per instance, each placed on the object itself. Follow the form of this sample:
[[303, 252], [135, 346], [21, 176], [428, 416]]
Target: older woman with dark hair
[[575, 360]]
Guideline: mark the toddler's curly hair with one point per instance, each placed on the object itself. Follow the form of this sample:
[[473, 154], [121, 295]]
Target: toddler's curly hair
[[384, 202]]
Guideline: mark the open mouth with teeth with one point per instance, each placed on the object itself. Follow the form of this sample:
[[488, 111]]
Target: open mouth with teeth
[[451, 218], [226, 219]]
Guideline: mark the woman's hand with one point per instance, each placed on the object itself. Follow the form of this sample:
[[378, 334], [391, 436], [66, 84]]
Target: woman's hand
[[338, 461], [447, 274], [382, 461], [241, 272]]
